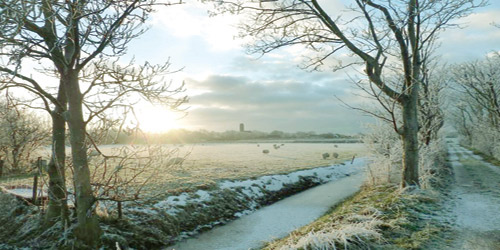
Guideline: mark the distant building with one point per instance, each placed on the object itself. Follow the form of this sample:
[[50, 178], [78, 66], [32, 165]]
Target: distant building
[[242, 127]]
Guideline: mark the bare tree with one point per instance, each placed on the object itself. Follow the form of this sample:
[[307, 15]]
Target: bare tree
[[21, 134], [480, 81], [129, 172], [386, 37], [435, 80], [477, 113], [70, 35]]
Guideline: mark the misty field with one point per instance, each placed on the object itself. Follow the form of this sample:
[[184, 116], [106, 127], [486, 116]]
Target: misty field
[[210, 162], [247, 160], [204, 164]]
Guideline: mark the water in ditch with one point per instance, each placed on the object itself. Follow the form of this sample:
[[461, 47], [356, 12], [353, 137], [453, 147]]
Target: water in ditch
[[274, 221]]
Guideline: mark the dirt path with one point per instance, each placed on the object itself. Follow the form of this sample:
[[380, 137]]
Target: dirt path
[[474, 207]]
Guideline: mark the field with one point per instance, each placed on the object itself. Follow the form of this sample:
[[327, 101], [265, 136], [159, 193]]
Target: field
[[207, 163], [240, 161]]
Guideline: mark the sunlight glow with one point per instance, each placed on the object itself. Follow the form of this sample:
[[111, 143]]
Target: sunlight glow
[[158, 119]]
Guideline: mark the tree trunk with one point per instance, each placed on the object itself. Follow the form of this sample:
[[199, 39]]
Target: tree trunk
[[410, 101], [410, 138], [87, 229], [58, 206]]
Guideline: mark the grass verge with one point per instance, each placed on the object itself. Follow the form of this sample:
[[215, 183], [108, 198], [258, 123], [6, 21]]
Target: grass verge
[[382, 217], [486, 157]]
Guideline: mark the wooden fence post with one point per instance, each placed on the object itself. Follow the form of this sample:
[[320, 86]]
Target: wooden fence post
[[1, 166], [35, 179], [120, 212], [42, 166], [35, 186]]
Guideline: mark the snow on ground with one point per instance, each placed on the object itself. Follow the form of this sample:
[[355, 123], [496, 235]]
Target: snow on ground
[[256, 188], [277, 182], [171, 204]]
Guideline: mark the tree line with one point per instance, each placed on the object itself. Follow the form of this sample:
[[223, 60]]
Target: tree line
[[180, 136]]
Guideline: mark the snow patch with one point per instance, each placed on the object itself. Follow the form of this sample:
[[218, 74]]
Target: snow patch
[[273, 183], [203, 195], [172, 202], [256, 188]]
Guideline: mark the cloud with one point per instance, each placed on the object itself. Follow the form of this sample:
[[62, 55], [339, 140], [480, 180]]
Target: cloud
[[287, 105], [475, 40], [192, 20]]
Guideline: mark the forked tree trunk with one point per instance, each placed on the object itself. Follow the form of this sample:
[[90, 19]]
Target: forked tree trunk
[[87, 230], [58, 206], [410, 139]]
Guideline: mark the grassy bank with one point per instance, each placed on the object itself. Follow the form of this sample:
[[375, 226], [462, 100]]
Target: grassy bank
[[486, 157], [381, 217]]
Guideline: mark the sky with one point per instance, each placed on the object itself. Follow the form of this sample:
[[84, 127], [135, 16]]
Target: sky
[[227, 86]]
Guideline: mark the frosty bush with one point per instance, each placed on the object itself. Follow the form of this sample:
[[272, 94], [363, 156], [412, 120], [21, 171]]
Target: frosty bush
[[386, 154], [486, 139], [432, 157]]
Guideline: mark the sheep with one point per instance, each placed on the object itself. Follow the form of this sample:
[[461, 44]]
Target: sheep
[[265, 151], [325, 155], [175, 161]]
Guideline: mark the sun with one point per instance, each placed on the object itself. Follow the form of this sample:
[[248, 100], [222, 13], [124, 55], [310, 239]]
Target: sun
[[157, 119]]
